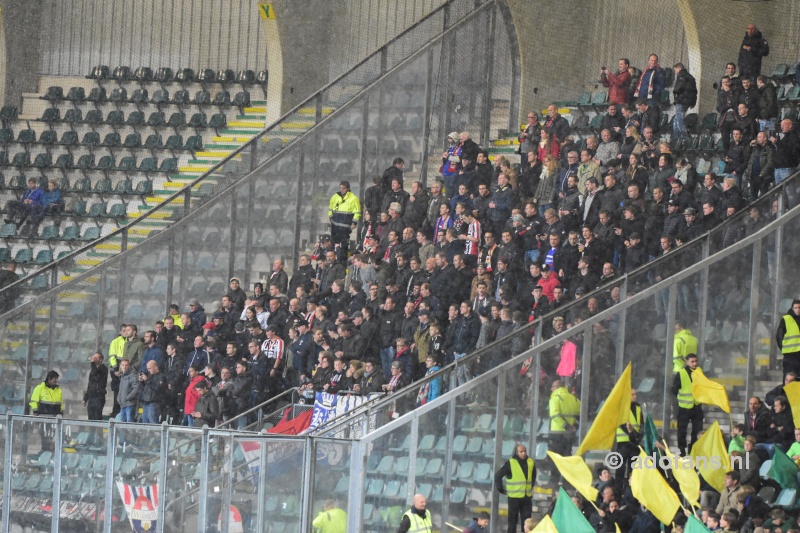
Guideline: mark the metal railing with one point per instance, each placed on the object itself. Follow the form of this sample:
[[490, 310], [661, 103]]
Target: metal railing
[[388, 56]]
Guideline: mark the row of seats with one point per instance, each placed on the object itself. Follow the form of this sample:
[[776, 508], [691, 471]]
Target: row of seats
[[165, 75], [136, 119], [83, 186], [119, 95], [106, 163], [91, 139], [49, 234]]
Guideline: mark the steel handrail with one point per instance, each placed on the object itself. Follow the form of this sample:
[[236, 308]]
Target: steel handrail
[[19, 284], [620, 280]]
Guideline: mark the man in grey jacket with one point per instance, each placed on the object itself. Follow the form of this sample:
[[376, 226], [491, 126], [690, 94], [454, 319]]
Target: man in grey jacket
[[128, 392]]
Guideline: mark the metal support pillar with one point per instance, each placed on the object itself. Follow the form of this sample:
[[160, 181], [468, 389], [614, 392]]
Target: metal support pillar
[[355, 500], [111, 453], [309, 466], [426, 124], [261, 518], [498, 441], [227, 470], [162, 476], [776, 280], [7, 461], [412, 467], [170, 271], [586, 381], [184, 283], [248, 243], [202, 504], [489, 65], [232, 238], [297, 203], [668, 343], [703, 313], [448, 458], [755, 305], [621, 318], [57, 455]]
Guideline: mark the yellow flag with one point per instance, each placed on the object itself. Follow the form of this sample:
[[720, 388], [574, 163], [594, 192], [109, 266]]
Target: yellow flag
[[709, 392], [711, 457], [577, 474], [615, 411], [653, 491], [792, 391], [545, 526], [686, 476]]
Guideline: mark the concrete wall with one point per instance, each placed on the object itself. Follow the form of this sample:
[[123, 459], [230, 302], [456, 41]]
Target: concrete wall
[[563, 44], [21, 23]]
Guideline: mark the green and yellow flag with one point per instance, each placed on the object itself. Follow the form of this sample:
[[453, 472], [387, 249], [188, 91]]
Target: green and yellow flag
[[783, 470], [567, 517], [545, 526]]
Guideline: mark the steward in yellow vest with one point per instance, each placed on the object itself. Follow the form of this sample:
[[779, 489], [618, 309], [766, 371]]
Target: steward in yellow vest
[[331, 519], [788, 338], [629, 437], [684, 344], [515, 479], [418, 518], [689, 411]]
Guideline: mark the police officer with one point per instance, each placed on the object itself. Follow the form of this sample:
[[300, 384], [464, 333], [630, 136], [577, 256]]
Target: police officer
[[418, 518], [629, 436], [519, 473], [788, 339], [689, 411]]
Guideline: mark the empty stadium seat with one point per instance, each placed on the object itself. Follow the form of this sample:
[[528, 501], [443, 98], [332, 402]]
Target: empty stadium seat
[[100, 72]]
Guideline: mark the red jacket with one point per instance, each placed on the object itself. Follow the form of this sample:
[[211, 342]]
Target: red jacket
[[192, 395], [618, 86], [548, 285]]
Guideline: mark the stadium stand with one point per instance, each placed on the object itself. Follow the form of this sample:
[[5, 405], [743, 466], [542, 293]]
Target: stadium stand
[[413, 312]]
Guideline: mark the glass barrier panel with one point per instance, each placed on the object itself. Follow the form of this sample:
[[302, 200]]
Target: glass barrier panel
[[183, 491], [385, 494], [32, 465], [83, 475], [331, 478]]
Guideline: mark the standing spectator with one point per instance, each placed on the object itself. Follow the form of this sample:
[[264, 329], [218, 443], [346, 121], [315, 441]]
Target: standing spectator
[[727, 100], [134, 347], [767, 104], [191, 395], [689, 411], [451, 162], [128, 397], [432, 389], [685, 97], [651, 82], [393, 172], [519, 473], [556, 125], [788, 338], [787, 151], [152, 351], [373, 196], [466, 329], [617, 83], [95, 396], [390, 323], [761, 165], [237, 296], [8, 276], [754, 47], [528, 138], [206, 410], [154, 389], [344, 211], [436, 200]]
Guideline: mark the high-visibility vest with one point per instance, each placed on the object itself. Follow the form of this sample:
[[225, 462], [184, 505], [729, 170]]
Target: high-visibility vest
[[419, 524], [635, 420], [520, 485], [791, 341], [684, 344], [685, 397], [564, 408], [331, 521], [46, 400]]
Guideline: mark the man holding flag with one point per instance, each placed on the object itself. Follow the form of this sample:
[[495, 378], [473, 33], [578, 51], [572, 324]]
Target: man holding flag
[[689, 410], [628, 437]]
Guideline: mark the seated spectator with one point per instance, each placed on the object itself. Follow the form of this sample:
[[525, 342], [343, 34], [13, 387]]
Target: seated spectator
[[781, 428], [769, 399], [372, 379], [728, 497], [751, 464], [52, 202], [632, 144], [27, 206]]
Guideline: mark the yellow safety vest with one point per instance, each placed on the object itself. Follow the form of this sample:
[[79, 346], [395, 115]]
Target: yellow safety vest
[[791, 341], [564, 408], [520, 486], [419, 524], [47, 401], [684, 344], [116, 351], [685, 397], [635, 420], [332, 521]]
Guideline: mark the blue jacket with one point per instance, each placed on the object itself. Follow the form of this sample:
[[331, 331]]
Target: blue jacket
[[36, 196], [152, 354], [435, 390], [197, 357], [53, 197]]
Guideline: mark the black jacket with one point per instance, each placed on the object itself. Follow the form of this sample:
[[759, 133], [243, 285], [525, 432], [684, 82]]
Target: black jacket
[[787, 150], [767, 102], [685, 89], [466, 330], [98, 378], [389, 329], [750, 60], [155, 389]]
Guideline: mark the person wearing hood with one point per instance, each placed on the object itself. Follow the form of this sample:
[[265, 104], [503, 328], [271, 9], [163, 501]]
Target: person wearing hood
[[46, 400], [519, 473], [344, 211], [372, 380], [479, 524], [754, 48]]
